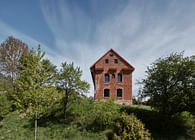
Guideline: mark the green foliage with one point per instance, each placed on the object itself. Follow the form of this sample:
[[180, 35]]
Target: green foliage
[[163, 126], [83, 126], [35, 93], [70, 78], [95, 116], [17, 127], [105, 113], [5, 105], [80, 110], [170, 84], [186, 120], [128, 127], [69, 81], [5, 83]]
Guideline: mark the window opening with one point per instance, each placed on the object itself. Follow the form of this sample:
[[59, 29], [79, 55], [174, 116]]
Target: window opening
[[119, 92], [106, 78], [106, 61], [106, 93], [113, 76], [116, 61], [119, 78]]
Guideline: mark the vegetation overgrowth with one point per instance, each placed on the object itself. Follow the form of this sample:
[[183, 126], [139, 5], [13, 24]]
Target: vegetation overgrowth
[[86, 123], [35, 95]]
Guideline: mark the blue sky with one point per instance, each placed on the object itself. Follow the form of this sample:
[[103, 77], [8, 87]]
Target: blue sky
[[83, 30]]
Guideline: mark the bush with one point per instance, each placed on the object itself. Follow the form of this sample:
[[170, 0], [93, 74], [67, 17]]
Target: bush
[[163, 126], [186, 119], [95, 116], [105, 113], [128, 127], [5, 105]]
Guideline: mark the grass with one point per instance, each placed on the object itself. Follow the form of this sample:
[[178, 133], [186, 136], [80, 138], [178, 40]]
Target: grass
[[142, 107], [14, 127]]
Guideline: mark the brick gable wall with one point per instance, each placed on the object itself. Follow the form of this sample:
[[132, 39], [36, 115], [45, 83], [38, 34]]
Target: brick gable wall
[[101, 68]]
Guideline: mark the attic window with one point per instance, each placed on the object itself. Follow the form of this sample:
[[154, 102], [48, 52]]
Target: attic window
[[111, 55]]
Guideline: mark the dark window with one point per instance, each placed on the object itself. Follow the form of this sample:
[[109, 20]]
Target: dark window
[[106, 93], [119, 78], [106, 61], [116, 61], [111, 55], [106, 78], [113, 76], [119, 92]]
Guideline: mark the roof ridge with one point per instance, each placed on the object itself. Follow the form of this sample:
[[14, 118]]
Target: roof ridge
[[111, 49]]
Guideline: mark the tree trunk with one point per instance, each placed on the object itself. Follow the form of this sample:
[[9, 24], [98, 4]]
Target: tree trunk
[[35, 129], [65, 104], [12, 79]]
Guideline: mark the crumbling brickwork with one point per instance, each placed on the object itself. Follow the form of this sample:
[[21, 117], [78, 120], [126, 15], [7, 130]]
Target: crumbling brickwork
[[112, 78]]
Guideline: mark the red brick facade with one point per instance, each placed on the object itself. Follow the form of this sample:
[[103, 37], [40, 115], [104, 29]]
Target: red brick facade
[[112, 78]]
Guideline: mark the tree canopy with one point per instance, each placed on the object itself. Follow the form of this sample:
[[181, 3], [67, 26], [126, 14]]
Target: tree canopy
[[10, 52], [69, 81], [170, 84], [35, 92]]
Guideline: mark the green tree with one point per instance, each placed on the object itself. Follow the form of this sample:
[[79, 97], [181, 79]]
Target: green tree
[[35, 92], [69, 81], [170, 84], [10, 52]]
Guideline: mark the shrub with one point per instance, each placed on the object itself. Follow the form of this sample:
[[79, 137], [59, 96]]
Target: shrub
[[186, 119], [4, 105], [105, 113], [128, 127], [95, 116]]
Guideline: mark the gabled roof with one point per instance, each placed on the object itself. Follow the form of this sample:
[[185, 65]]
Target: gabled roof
[[111, 50]]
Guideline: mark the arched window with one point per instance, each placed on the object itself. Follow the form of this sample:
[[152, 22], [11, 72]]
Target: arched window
[[106, 93], [106, 78], [119, 93], [119, 77]]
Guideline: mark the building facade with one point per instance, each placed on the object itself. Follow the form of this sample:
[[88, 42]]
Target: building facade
[[112, 78]]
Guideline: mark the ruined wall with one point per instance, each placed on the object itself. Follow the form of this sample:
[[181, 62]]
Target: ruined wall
[[113, 69]]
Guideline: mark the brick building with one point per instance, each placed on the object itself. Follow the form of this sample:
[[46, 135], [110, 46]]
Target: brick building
[[112, 78]]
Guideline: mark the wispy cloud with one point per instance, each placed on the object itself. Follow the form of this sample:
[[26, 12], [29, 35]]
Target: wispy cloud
[[7, 30], [141, 31]]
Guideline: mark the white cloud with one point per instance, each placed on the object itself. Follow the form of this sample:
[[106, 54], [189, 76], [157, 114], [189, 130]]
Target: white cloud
[[6, 31], [140, 32]]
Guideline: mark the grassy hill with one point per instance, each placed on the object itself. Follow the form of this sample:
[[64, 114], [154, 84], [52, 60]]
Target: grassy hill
[[16, 126]]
